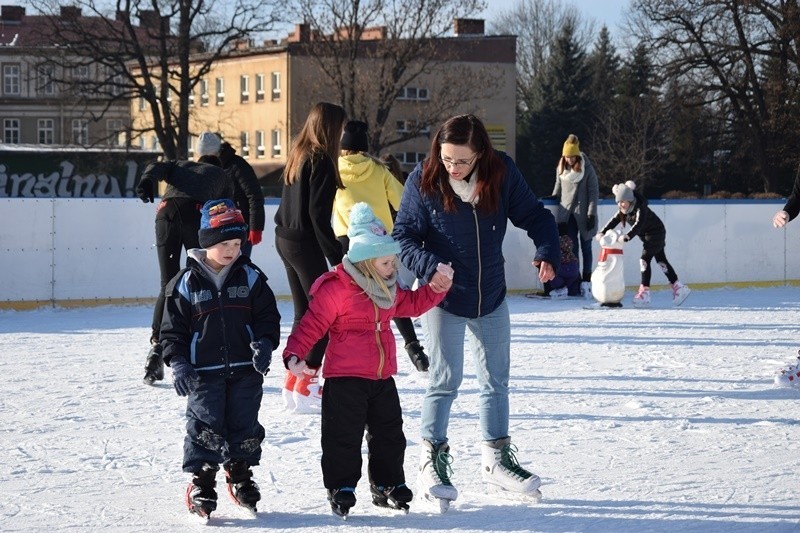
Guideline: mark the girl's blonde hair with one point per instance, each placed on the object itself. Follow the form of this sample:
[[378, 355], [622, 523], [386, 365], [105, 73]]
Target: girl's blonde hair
[[367, 267], [321, 134]]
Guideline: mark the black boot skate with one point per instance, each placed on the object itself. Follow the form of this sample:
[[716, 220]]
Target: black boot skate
[[241, 487], [201, 498], [392, 497], [154, 366], [342, 500], [418, 356]]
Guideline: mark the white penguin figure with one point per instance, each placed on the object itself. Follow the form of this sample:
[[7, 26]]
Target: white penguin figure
[[608, 280]]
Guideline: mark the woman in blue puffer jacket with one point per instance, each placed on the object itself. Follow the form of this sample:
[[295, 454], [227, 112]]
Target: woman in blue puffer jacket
[[455, 209]]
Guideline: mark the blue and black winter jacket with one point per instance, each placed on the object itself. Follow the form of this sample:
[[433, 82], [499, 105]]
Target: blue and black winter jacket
[[213, 328], [472, 241]]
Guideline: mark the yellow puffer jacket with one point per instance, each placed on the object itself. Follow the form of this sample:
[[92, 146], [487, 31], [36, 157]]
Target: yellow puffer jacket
[[365, 180]]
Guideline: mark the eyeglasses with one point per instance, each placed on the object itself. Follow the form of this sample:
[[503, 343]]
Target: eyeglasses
[[450, 163]]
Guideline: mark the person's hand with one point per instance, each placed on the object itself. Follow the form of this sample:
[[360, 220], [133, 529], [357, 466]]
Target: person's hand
[[780, 219], [184, 376], [590, 222], [145, 189], [295, 365], [254, 237], [546, 271], [440, 282], [598, 237], [262, 355]]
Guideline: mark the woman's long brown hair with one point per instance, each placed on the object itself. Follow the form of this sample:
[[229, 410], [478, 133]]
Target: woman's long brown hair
[[464, 130], [321, 134]]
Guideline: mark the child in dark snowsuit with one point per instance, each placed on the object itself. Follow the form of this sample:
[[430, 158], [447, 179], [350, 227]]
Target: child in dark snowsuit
[[220, 325]]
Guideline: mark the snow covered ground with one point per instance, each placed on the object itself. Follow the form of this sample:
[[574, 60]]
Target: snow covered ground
[[637, 420]]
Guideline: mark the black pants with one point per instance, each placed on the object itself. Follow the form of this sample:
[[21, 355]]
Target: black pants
[[661, 259], [349, 406], [222, 421], [177, 224], [404, 324], [304, 262]]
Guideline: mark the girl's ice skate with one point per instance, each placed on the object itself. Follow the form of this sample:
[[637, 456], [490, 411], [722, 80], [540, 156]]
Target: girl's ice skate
[[342, 500], [789, 376], [679, 293], [391, 497], [433, 479], [502, 472], [642, 298]]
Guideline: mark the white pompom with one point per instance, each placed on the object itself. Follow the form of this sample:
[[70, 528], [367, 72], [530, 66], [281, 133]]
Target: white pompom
[[630, 184]]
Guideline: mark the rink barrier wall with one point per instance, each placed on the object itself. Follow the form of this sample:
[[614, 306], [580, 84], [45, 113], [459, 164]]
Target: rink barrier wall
[[75, 252]]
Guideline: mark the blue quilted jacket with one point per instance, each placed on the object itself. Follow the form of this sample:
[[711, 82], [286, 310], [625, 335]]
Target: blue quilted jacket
[[471, 241]]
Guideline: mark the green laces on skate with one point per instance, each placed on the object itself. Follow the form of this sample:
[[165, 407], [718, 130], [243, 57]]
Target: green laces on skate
[[509, 461], [441, 465]]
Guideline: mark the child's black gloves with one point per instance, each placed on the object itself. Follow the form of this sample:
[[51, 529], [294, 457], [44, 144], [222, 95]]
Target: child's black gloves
[[146, 188], [262, 355], [184, 376]]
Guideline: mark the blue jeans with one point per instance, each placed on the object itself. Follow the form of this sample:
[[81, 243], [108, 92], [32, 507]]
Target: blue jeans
[[490, 344]]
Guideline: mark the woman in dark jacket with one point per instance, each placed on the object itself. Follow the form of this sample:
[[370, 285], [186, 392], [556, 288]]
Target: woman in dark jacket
[[455, 209]]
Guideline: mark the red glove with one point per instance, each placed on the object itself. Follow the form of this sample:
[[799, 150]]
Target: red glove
[[254, 237]]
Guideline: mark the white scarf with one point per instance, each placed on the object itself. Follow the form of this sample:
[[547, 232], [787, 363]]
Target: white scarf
[[465, 189], [571, 176]]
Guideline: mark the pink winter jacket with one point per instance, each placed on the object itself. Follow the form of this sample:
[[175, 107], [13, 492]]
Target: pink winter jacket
[[361, 342]]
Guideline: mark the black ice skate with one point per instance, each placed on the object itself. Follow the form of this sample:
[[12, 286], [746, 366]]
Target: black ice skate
[[342, 500], [201, 498], [418, 356], [154, 366], [241, 487], [392, 497]]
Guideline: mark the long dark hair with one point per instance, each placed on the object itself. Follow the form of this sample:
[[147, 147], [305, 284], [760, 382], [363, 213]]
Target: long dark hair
[[464, 130], [321, 134]]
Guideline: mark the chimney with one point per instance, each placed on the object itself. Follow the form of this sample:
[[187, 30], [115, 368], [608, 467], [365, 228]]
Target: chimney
[[302, 34], [242, 44], [148, 18], [468, 27], [70, 12], [12, 13]]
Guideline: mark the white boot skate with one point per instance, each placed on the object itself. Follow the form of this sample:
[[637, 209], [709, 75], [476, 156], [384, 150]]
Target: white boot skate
[[433, 479], [586, 290], [790, 376], [642, 298], [679, 293], [307, 393], [500, 469]]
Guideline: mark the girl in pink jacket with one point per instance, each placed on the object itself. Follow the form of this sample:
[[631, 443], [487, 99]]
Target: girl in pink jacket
[[354, 304]]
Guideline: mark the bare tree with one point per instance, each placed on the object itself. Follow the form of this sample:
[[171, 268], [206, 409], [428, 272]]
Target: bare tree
[[369, 51], [740, 56], [160, 61]]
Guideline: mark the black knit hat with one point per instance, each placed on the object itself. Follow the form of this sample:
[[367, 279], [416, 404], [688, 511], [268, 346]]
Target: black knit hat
[[354, 137], [221, 221]]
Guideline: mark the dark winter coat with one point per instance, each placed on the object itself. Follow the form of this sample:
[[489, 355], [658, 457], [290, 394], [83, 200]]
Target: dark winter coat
[[793, 202], [472, 241], [247, 193], [361, 341], [213, 329], [306, 207], [643, 223], [191, 179]]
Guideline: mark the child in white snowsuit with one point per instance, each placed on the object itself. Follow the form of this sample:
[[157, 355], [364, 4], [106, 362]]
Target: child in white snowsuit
[[354, 304], [220, 325], [645, 224]]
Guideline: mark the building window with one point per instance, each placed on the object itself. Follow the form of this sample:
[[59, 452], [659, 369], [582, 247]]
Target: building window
[[276, 86], [261, 151], [11, 85], [244, 141], [154, 142], [276, 143], [11, 131], [220, 91], [244, 85], [114, 82], [259, 87], [410, 158], [191, 97], [412, 93], [44, 79], [114, 132], [80, 131], [46, 131], [80, 75], [204, 92], [405, 126], [142, 103]]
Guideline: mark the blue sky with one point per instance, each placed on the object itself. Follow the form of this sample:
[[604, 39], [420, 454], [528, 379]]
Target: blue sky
[[609, 12]]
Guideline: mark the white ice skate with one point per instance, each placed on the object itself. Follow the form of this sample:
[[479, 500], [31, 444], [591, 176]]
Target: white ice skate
[[307, 393], [679, 293], [790, 376], [433, 479], [502, 472], [642, 298]]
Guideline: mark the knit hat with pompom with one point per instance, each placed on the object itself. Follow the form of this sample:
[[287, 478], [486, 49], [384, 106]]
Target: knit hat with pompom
[[624, 191], [368, 236]]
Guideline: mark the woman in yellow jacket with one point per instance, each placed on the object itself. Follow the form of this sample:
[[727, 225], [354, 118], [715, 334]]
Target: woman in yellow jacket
[[367, 179]]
